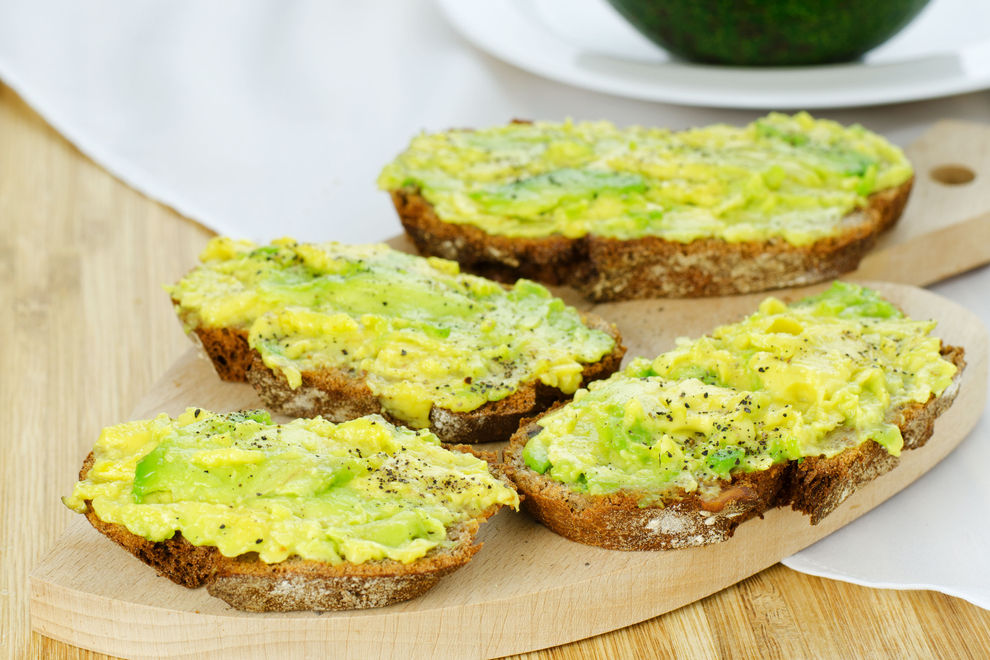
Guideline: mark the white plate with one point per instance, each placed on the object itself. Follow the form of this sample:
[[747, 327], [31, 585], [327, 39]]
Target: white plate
[[946, 50]]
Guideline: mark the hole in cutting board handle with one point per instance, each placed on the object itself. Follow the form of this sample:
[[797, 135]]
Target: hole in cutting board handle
[[952, 175]]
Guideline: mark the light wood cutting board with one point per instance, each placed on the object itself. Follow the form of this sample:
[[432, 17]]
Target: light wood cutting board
[[945, 228], [526, 589]]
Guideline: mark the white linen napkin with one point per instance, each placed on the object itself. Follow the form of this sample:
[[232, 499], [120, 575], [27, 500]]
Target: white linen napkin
[[269, 119]]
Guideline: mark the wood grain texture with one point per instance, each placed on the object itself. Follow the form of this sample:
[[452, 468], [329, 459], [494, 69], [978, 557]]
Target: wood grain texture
[[84, 329], [527, 588], [87, 330]]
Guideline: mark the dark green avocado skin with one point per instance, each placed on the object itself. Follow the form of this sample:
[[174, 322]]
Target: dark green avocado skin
[[768, 32]]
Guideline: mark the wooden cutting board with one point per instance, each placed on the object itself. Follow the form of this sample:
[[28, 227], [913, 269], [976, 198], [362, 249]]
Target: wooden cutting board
[[526, 589], [945, 228]]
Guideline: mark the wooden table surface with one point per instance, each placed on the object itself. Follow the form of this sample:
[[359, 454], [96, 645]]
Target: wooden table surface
[[86, 329]]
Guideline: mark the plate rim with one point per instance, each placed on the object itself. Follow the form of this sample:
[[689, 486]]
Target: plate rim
[[483, 23]]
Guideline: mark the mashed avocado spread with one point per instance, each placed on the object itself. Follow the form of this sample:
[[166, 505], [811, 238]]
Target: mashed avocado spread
[[419, 331], [358, 491], [793, 177], [809, 379]]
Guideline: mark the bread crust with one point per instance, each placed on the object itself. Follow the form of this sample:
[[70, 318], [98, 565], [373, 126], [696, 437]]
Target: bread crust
[[339, 395], [228, 349], [815, 486], [604, 269], [247, 583]]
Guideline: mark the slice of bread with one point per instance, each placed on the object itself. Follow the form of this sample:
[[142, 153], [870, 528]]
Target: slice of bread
[[603, 269], [343, 392], [338, 395], [814, 486], [247, 583]]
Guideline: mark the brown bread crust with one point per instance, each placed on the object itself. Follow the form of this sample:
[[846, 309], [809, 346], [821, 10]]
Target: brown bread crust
[[339, 395], [228, 349], [247, 583], [611, 269], [815, 486]]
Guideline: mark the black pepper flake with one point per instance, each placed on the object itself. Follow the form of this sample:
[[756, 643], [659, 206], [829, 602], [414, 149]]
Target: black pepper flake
[[223, 527], [197, 412], [257, 540]]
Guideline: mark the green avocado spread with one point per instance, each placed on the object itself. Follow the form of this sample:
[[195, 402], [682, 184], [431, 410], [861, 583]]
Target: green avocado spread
[[420, 332], [809, 379], [793, 177], [358, 491]]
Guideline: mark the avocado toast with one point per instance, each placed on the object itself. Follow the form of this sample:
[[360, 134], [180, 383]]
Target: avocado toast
[[344, 331], [796, 405], [642, 212], [305, 515]]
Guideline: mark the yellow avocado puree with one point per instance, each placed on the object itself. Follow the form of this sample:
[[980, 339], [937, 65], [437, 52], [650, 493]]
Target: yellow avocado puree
[[793, 177], [809, 379], [358, 491], [418, 330]]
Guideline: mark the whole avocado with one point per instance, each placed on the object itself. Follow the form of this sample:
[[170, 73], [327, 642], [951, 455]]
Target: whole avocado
[[768, 32]]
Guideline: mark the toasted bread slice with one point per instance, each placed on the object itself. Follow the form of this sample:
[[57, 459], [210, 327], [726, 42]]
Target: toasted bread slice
[[528, 371], [603, 269], [248, 583], [338, 395], [639, 212], [815, 486]]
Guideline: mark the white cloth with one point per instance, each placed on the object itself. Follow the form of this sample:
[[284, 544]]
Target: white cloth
[[264, 119]]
